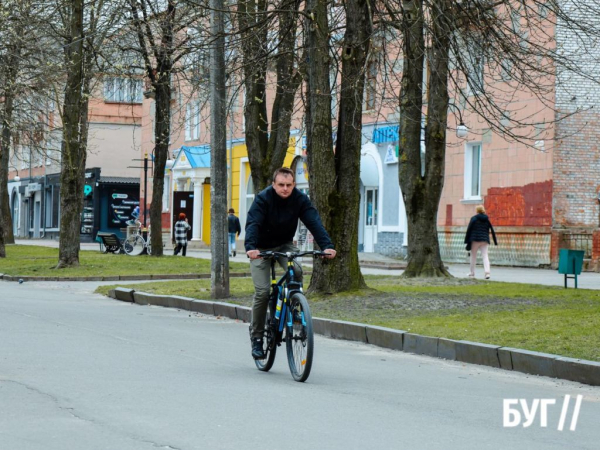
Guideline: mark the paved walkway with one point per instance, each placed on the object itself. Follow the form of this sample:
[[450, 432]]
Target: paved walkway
[[587, 280]]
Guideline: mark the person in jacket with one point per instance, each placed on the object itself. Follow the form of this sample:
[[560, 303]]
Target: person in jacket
[[478, 239], [271, 224], [234, 228], [181, 228]]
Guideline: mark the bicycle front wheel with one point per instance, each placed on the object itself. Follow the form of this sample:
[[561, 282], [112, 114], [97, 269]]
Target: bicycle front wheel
[[269, 345], [134, 245], [299, 339]]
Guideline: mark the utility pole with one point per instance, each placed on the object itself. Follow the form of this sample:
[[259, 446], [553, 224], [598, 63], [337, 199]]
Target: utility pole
[[218, 161]]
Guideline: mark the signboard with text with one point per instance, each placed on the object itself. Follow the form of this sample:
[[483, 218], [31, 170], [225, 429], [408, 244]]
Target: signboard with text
[[120, 207]]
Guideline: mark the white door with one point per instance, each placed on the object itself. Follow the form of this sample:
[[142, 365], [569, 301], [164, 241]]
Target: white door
[[371, 215]]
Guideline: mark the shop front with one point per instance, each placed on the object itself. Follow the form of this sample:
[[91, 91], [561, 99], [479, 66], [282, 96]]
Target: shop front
[[111, 206]]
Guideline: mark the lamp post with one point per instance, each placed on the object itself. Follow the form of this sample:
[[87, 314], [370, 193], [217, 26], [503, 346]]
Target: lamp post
[[145, 167], [462, 131], [145, 186]]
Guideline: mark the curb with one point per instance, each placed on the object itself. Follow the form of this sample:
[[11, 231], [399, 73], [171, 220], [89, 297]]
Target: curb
[[507, 358], [382, 265], [171, 276]]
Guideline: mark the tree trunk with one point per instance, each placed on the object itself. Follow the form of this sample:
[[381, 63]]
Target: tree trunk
[[218, 163], [335, 178], [10, 72], [288, 81], [75, 127], [422, 193], [252, 20], [5, 142], [2, 247], [267, 151], [162, 131]]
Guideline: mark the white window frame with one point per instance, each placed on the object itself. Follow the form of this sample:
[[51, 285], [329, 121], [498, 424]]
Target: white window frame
[[25, 158], [370, 95], [123, 90], [469, 169], [166, 194], [475, 59], [192, 121], [334, 93]]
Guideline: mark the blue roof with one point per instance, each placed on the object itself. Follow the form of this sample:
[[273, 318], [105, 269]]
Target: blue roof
[[197, 156], [385, 134]]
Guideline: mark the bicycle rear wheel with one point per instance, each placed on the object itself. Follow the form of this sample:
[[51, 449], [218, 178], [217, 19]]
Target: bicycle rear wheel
[[134, 245], [269, 345], [299, 339]]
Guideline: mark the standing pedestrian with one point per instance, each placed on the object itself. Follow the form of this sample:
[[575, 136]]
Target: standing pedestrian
[[181, 228], [234, 228], [478, 239]]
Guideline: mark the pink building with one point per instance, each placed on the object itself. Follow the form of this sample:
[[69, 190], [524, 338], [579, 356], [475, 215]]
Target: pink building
[[113, 146]]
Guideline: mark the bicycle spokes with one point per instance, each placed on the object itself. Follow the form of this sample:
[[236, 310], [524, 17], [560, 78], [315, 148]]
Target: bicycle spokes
[[300, 340]]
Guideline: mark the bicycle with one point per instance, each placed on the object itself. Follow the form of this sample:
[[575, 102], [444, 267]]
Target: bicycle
[[135, 244], [288, 319]]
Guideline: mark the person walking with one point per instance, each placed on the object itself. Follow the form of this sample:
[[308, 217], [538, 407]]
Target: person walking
[[234, 228], [181, 228], [478, 239]]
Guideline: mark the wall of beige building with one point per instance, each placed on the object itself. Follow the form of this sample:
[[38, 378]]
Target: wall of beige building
[[114, 148]]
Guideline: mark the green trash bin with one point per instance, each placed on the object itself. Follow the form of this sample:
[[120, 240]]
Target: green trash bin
[[570, 262]]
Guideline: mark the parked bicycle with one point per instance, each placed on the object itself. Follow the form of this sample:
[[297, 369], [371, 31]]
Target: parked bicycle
[[288, 319], [135, 244]]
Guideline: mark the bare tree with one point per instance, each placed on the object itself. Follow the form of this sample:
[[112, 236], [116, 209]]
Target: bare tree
[[161, 29], [75, 129], [84, 26], [17, 47], [470, 59], [335, 176], [268, 38]]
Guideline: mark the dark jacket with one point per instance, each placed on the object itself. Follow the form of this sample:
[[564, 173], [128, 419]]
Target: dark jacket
[[479, 230], [233, 224], [272, 220]]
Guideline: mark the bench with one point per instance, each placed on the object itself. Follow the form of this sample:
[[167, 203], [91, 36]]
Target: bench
[[111, 242]]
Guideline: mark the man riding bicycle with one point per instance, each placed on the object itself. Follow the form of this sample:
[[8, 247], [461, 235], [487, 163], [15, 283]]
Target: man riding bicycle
[[270, 226]]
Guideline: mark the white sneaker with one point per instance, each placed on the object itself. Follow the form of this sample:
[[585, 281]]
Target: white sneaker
[[487, 276], [471, 275]]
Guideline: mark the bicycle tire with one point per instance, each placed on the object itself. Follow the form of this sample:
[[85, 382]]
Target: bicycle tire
[[299, 337], [134, 245], [269, 346]]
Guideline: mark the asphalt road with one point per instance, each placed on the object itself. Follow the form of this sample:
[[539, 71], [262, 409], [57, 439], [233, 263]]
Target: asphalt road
[[80, 371]]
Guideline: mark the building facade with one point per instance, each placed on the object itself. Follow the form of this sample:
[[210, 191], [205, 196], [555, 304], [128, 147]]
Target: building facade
[[114, 144]]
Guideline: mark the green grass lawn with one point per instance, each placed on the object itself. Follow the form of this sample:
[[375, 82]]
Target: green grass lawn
[[532, 317], [28, 260]]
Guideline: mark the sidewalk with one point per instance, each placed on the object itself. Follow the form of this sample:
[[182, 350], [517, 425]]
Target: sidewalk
[[376, 264]]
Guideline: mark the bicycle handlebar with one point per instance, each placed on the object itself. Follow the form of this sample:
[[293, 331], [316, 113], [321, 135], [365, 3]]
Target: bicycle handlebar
[[291, 255]]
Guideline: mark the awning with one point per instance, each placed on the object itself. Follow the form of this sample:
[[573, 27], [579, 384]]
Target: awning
[[369, 174]]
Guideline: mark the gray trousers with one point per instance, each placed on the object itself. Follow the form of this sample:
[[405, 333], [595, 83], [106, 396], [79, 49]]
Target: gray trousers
[[260, 269]]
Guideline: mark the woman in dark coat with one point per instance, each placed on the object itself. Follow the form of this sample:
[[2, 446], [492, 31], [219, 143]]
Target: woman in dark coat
[[478, 238]]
